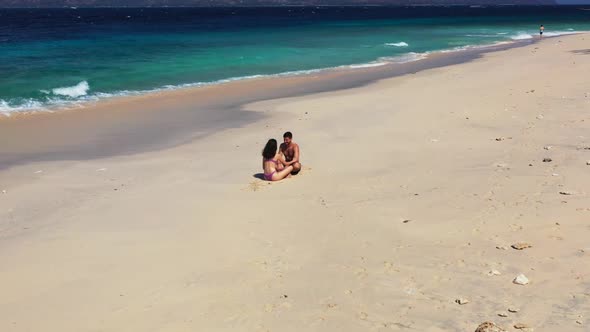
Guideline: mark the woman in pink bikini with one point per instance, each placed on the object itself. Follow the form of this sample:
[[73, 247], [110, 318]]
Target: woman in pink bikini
[[273, 162]]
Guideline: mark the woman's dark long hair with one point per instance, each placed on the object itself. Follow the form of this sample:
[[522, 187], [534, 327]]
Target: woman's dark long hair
[[270, 149]]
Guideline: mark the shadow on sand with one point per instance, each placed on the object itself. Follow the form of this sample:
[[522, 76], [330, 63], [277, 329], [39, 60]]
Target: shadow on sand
[[259, 176], [582, 52]]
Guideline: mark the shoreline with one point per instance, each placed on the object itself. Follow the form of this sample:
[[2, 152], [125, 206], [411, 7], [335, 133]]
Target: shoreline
[[377, 63], [197, 111]]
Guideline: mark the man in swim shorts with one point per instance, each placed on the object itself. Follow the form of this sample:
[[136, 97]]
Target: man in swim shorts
[[541, 30], [290, 150]]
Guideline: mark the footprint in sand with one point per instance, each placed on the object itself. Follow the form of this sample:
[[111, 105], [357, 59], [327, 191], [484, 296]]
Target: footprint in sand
[[257, 185], [361, 273]]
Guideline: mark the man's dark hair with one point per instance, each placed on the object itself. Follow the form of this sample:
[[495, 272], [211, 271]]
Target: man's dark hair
[[288, 134]]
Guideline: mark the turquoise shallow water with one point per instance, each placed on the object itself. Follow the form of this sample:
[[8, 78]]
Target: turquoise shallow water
[[51, 58]]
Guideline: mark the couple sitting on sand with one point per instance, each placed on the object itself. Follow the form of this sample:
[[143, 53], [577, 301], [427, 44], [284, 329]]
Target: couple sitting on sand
[[277, 165]]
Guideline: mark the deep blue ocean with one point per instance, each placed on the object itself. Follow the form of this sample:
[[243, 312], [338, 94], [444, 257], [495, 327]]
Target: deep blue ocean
[[55, 57]]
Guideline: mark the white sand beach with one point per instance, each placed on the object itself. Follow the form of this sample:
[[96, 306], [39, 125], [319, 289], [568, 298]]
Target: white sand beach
[[413, 190]]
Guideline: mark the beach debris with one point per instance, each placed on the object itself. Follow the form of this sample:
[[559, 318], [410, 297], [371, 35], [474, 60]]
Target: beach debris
[[567, 193], [37, 172], [555, 174], [502, 314], [547, 147], [494, 273], [521, 326], [461, 301], [521, 245], [489, 327], [530, 164], [502, 247], [579, 322], [547, 160], [101, 169], [521, 279], [513, 310], [405, 221], [588, 163], [540, 116], [500, 138]]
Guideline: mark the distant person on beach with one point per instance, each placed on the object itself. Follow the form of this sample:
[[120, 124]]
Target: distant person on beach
[[290, 150], [541, 30], [273, 163]]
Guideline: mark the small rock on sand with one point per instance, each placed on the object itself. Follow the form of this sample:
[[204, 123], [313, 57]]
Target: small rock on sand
[[521, 245], [521, 279], [547, 160], [588, 163], [567, 193], [494, 273], [461, 301], [489, 327], [521, 326]]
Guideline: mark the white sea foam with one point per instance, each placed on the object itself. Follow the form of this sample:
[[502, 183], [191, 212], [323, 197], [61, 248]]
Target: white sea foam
[[368, 65], [559, 33], [405, 58], [7, 108], [521, 36], [78, 90], [524, 35], [472, 47], [400, 44]]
